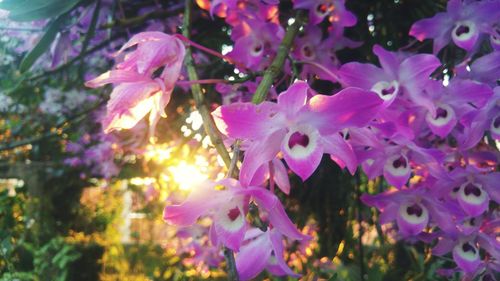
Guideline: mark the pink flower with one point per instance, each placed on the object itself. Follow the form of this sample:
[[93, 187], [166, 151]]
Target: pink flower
[[262, 250], [136, 92], [301, 128], [227, 201]]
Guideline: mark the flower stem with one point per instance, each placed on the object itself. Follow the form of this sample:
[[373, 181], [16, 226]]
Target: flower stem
[[199, 99], [201, 81], [322, 68], [210, 51], [275, 68], [209, 126]]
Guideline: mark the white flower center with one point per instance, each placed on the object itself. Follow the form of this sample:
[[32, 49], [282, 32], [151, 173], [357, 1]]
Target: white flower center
[[444, 114], [397, 165], [472, 193], [464, 30], [301, 141], [467, 251], [386, 90], [414, 213]]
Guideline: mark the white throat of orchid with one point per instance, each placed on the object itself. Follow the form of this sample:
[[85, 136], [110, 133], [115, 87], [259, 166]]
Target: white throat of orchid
[[386, 90], [301, 141], [414, 213], [463, 31], [230, 216], [467, 251], [397, 165], [257, 49], [444, 115], [472, 193]]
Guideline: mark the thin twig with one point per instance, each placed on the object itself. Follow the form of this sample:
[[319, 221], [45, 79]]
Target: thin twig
[[209, 126], [199, 99], [275, 68]]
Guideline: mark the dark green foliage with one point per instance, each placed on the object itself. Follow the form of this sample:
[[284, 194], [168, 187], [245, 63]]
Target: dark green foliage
[[30, 10]]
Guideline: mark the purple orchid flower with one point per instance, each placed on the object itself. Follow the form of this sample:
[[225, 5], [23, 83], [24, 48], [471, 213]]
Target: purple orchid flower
[[301, 128], [485, 69], [393, 156], [463, 23], [334, 10], [445, 106], [228, 206], [464, 250], [412, 209], [262, 250], [309, 47], [136, 92], [478, 122], [255, 49], [471, 188], [399, 75]]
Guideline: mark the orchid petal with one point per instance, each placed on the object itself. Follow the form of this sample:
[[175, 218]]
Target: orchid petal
[[341, 152], [246, 120], [351, 107]]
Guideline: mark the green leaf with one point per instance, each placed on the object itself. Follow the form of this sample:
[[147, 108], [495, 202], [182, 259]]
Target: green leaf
[[29, 10], [43, 45]]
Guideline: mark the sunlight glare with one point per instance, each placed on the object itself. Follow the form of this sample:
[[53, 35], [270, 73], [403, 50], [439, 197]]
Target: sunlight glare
[[187, 175]]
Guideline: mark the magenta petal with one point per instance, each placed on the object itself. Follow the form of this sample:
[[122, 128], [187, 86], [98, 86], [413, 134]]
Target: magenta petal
[[351, 107], [469, 91], [145, 37], [276, 213], [341, 152], [277, 244], [260, 176], [253, 257], [437, 28], [388, 60], [247, 120], [281, 176], [128, 104], [195, 205], [294, 98], [441, 215], [260, 153], [443, 246], [389, 213], [117, 76], [415, 71], [362, 75]]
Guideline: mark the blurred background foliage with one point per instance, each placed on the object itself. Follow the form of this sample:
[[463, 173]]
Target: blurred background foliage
[[62, 222]]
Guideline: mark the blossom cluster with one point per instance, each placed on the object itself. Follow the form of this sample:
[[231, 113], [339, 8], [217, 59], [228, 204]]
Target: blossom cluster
[[428, 129]]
